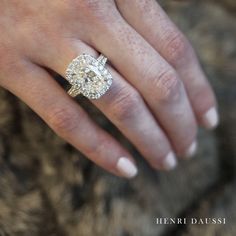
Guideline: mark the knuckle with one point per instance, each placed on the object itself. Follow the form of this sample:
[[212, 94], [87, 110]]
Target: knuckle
[[97, 149], [168, 86], [63, 120], [177, 48], [125, 105]]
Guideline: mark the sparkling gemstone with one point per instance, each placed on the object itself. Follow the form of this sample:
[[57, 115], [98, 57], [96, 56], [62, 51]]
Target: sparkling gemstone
[[91, 79]]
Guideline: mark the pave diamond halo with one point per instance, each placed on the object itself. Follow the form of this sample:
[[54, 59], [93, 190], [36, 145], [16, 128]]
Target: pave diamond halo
[[88, 76]]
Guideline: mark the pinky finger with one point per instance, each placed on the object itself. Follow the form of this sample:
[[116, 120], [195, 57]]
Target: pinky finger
[[37, 89]]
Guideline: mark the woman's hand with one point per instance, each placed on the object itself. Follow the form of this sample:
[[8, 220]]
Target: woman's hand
[[159, 93]]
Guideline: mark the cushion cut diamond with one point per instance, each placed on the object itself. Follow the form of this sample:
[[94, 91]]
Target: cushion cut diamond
[[88, 77]]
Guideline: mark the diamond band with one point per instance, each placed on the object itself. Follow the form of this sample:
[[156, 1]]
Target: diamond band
[[88, 76]]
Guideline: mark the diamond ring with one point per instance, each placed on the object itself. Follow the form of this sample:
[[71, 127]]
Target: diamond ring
[[88, 76]]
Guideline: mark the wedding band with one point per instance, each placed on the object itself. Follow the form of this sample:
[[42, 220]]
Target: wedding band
[[88, 76]]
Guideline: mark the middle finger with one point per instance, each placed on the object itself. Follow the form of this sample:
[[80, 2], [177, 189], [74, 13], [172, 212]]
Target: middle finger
[[153, 77]]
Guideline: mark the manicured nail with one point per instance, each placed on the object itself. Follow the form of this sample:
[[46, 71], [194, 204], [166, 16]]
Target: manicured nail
[[191, 151], [126, 167], [211, 118], [170, 161]]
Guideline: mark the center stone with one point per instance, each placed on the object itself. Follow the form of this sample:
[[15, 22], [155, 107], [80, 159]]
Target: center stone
[[89, 79], [88, 76]]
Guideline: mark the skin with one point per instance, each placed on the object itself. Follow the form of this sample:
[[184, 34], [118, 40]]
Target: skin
[[159, 94]]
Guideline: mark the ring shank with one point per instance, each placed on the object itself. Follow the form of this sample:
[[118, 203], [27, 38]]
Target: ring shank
[[102, 59], [73, 92]]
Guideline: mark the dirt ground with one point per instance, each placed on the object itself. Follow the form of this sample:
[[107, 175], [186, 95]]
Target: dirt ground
[[48, 188]]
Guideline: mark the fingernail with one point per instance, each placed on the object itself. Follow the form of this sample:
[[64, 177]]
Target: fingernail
[[126, 167], [170, 161], [211, 118], [191, 151]]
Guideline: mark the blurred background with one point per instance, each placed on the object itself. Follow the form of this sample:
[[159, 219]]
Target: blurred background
[[48, 188]]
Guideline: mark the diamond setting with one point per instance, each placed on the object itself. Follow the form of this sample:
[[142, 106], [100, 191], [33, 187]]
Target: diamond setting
[[88, 76]]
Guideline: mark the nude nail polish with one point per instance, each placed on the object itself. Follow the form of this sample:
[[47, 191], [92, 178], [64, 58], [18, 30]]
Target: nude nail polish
[[211, 118], [126, 167], [170, 161], [191, 151]]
